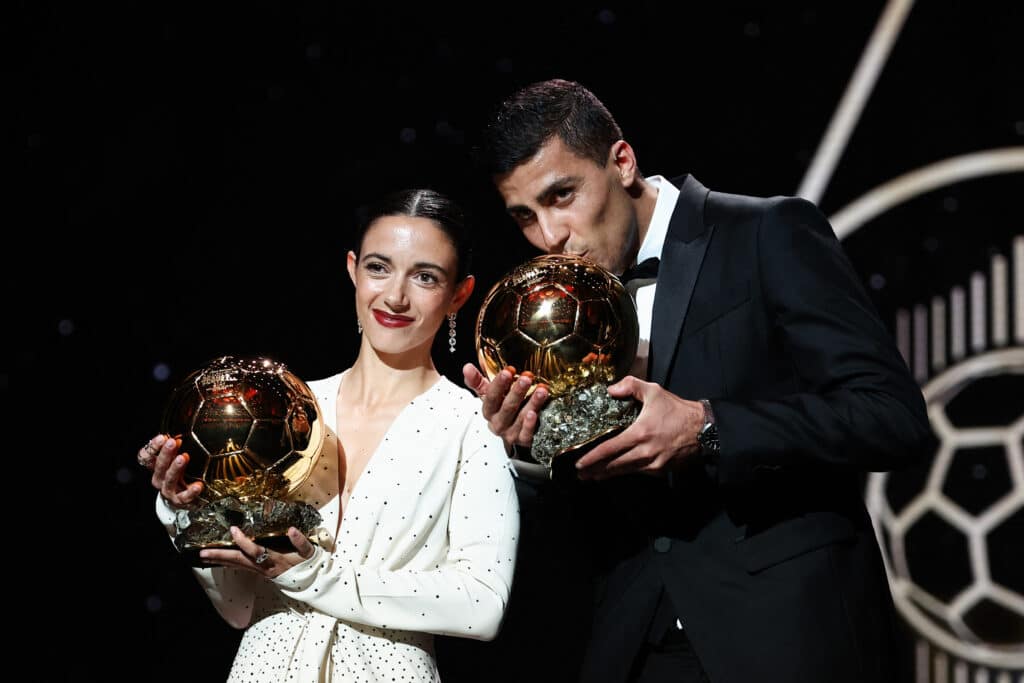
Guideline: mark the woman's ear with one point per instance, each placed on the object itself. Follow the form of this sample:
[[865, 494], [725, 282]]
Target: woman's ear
[[350, 262], [462, 293]]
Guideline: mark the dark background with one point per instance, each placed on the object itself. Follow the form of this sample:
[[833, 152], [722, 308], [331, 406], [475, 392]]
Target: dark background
[[188, 177]]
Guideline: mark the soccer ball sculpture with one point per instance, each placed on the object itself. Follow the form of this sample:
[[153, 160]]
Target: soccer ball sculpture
[[252, 431], [572, 325], [952, 528]]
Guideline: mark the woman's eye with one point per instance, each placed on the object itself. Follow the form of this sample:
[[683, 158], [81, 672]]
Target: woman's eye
[[427, 278]]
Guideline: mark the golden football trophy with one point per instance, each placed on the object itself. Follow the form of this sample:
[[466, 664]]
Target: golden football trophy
[[252, 431], [573, 325]]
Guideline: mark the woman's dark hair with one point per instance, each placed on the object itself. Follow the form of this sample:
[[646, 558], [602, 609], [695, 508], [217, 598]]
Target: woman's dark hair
[[524, 122], [423, 203]]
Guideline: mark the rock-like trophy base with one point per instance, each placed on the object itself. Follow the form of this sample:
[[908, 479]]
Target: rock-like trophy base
[[581, 417], [262, 518]]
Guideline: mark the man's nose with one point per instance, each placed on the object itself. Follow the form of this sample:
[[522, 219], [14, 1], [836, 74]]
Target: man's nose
[[554, 233]]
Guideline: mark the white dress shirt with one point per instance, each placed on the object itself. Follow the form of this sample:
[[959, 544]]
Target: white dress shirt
[[654, 240]]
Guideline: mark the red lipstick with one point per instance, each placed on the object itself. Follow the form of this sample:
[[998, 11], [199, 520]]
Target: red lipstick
[[390, 319]]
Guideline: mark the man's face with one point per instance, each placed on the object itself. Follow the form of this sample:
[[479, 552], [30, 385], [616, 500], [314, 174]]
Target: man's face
[[566, 204]]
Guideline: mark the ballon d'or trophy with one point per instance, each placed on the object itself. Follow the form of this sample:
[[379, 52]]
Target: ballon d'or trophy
[[573, 325], [252, 431]]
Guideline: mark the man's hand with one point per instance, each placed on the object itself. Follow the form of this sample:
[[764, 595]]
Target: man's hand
[[507, 415], [662, 436]]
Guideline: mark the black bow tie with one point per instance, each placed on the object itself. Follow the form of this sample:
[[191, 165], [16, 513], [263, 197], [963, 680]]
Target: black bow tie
[[645, 270]]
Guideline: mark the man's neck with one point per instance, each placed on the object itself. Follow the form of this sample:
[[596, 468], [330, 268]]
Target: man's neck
[[645, 197]]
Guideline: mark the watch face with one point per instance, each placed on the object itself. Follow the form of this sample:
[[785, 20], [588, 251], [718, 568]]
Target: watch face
[[708, 437]]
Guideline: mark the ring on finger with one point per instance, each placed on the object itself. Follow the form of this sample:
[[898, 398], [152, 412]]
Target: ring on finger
[[142, 459], [151, 449], [262, 557]]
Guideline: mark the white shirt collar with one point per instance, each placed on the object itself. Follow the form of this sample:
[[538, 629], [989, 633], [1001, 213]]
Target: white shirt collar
[[654, 240]]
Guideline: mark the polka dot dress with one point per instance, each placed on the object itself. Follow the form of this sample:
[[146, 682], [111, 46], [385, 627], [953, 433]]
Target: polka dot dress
[[426, 544]]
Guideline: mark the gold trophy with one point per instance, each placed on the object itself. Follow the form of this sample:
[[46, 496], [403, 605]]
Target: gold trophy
[[252, 431], [573, 325]]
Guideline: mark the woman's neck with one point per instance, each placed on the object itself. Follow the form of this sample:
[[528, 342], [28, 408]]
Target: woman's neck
[[374, 381]]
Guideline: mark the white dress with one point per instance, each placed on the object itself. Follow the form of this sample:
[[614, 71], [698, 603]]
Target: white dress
[[427, 545]]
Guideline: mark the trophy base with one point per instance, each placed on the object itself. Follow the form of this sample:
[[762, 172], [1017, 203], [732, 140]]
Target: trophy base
[[279, 543], [263, 519], [563, 466], [571, 425]]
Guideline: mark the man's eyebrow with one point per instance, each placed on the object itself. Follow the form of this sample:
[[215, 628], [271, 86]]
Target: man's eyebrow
[[551, 188], [555, 185]]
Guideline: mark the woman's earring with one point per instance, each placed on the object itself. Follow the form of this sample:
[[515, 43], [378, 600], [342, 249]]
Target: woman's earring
[[451, 333], [359, 325]]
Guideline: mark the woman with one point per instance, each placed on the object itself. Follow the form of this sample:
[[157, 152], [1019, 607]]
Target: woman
[[412, 485]]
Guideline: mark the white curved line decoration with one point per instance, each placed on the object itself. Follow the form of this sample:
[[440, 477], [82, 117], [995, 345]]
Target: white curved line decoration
[[858, 90], [925, 179]]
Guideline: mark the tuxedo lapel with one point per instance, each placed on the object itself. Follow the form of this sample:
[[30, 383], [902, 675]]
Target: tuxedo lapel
[[681, 256]]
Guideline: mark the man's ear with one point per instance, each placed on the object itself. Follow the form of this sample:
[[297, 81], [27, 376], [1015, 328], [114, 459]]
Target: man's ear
[[622, 158]]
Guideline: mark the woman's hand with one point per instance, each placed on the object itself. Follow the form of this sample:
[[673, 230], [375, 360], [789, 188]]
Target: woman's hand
[[160, 455], [256, 558]]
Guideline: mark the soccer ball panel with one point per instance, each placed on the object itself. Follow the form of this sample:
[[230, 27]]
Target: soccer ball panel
[[598, 322], [1004, 543], [269, 441], [977, 404], [222, 425], [267, 396], [577, 363], [524, 353], [995, 623], [977, 478], [547, 314], [929, 535], [503, 310]]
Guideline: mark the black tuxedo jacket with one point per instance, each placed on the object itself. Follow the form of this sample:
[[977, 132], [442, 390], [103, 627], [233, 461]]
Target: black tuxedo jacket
[[767, 555]]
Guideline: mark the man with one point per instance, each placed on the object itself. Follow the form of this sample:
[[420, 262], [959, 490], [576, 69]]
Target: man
[[771, 387]]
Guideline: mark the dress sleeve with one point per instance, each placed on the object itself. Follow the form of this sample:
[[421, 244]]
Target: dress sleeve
[[232, 591], [467, 593]]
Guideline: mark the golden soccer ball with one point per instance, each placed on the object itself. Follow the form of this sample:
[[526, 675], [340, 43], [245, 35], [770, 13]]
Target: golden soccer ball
[[249, 425], [563, 318]]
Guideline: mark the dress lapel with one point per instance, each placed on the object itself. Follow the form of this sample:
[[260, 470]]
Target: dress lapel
[[681, 256]]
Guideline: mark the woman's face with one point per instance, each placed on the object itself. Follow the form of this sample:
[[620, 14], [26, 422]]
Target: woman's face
[[405, 283]]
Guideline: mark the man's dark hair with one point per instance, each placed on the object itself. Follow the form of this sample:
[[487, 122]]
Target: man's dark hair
[[423, 203], [524, 122]]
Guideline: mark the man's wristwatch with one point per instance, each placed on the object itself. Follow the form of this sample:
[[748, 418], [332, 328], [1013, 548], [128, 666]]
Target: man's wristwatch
[[707, 437]]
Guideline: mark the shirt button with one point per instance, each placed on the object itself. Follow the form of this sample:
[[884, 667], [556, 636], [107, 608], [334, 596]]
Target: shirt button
[[662, 544]]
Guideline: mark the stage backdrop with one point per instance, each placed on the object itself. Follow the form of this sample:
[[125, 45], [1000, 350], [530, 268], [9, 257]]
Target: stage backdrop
[[190, 178]]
